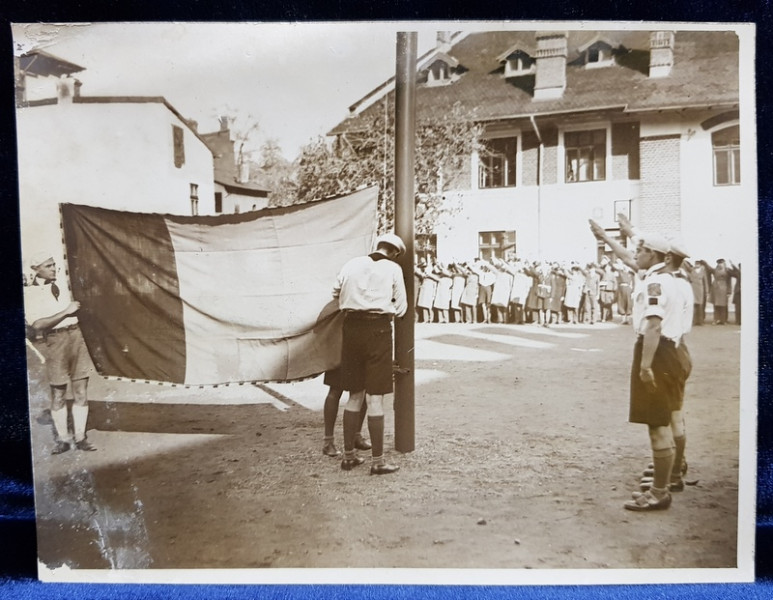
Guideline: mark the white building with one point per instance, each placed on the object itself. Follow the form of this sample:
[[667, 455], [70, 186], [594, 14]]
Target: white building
[[583, 125], [126, 153]]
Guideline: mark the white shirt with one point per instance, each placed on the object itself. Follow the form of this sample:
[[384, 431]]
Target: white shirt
[[684, 287], [371, 285], [658, 296], [39, 303], [486, 277]]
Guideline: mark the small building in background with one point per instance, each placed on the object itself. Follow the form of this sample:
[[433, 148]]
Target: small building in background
[[234, 193]]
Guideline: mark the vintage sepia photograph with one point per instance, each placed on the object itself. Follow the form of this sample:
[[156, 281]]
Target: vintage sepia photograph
[[397, 302]]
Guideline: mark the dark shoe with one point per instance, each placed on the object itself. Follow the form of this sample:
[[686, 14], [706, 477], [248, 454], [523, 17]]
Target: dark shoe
[[329, 449], [60, 448], [85, 445], [647, 502], [361, 443], [383, 469], [348, 464]]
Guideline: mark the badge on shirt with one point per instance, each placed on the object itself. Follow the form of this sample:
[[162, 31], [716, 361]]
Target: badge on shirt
[[653, 289]]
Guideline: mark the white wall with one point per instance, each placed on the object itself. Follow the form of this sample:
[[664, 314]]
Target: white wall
[[113, 155], [717, 221], [237, 203], [550, 223]]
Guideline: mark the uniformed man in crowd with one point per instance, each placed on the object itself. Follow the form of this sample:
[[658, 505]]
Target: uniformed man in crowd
[[673, 264], [371, 292], [657, 374]]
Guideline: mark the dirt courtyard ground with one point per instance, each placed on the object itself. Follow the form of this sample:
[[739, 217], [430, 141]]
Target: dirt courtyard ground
[[523, 460]]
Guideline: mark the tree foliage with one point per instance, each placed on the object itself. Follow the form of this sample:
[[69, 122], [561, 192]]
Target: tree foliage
[[275, 173], [366, 156]]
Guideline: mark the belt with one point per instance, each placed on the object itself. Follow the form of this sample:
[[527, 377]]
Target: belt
[[662, 339], [62, 329], [366, 315]]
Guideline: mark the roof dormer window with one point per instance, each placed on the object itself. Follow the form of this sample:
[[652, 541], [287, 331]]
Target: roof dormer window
[[598, 54], [438, 72], [519, 64], [441, 69], [516, 63]]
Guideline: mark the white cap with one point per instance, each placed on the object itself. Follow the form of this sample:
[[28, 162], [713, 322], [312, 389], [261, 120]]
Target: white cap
[[393, 240], [39, 257], [655, 242], [677, 247]]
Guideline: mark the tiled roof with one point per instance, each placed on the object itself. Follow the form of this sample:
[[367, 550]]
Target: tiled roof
[[41, 63], [704, 73], [246, 188]]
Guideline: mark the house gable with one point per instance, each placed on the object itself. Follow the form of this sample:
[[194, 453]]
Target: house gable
[[439, 69], [517, 61], [488, 96]]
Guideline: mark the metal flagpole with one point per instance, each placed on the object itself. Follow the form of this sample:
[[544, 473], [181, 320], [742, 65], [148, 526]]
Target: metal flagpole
[[405, 139]]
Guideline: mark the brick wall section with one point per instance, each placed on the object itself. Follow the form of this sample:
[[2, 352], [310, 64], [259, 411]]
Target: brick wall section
[[529, 159], [660, 201], [550, 170]]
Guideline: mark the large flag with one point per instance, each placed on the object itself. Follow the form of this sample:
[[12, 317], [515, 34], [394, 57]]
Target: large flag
[[214, 299]]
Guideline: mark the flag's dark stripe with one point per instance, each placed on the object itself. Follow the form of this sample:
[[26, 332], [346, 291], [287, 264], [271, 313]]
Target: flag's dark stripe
[[122, 270]]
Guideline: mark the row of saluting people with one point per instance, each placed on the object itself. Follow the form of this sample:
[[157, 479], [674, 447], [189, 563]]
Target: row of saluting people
[[518, 291]]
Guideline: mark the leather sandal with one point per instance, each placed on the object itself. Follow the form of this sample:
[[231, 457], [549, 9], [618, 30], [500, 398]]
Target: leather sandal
[[647, 501], [674, 486]]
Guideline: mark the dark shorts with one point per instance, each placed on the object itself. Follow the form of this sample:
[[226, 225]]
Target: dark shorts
[[333, 379], [66, 356], [683, 354], [653, 407], [366, 355]]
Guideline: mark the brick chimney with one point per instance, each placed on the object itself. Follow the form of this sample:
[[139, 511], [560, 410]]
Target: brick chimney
[[550, 78], [65, 90], [661, 53], [443, 43]]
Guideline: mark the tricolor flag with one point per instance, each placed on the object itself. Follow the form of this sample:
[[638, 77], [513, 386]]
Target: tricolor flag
[[214, 299]]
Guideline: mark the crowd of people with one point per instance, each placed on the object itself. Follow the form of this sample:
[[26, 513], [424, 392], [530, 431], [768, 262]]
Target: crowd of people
[[518, 291], [655, 287]]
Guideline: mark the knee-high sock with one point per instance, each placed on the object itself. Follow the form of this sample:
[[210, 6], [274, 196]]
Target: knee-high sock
[[376, 430], [361, 417], [680, 442], [351, 419], [59, 416], [664, 462], [80, 415]]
